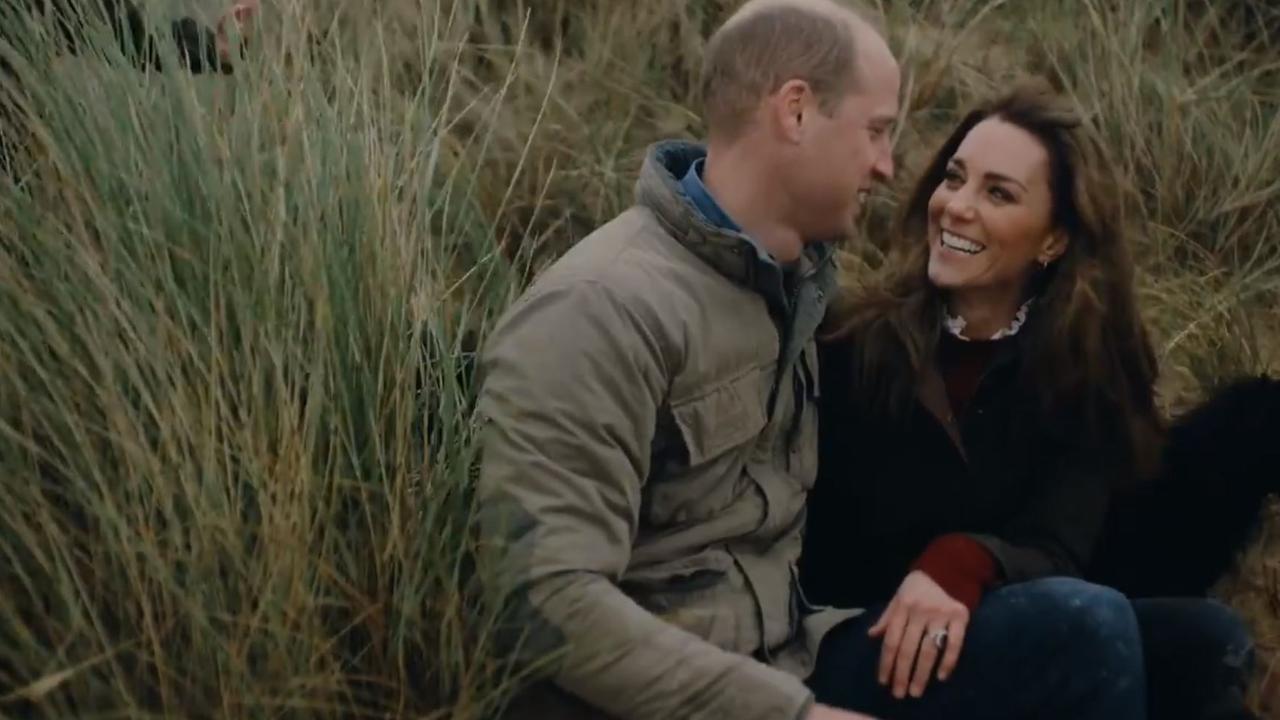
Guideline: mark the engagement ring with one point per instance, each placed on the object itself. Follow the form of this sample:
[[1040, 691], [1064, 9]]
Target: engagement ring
[[939, 638]]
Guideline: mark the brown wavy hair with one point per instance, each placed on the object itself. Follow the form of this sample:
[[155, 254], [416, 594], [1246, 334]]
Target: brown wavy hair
[[1086, 352]]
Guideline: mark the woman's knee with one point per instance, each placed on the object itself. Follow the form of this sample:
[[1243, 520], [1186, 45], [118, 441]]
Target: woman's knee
[[1076, 641], [1199, 632], [1228, 632], [1096, 621]]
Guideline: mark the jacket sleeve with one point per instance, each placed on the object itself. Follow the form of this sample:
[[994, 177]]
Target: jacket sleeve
[[571, 386], [196, 44], [1057, 532]]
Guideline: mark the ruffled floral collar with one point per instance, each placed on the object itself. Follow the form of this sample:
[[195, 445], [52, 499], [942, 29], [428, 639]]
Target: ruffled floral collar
[[956, 324]]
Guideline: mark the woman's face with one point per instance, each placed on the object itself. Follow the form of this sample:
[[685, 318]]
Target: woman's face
[[990, 220]]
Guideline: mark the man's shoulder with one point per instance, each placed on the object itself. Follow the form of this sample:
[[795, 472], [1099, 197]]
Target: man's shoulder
[[634, 259], [612, 280], [632, 278]]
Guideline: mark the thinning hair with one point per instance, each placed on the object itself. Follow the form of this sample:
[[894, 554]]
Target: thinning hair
[[768, 43]]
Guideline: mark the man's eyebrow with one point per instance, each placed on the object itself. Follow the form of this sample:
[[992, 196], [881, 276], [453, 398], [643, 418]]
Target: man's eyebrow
[[998, 177]]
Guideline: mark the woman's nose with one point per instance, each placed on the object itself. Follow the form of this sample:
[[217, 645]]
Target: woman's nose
[[959, 205]]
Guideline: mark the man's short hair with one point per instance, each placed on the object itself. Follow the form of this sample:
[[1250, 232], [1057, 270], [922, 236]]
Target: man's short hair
[[770, 42]]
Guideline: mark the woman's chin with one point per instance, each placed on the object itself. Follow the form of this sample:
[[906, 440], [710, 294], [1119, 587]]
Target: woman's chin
[[943, 277]]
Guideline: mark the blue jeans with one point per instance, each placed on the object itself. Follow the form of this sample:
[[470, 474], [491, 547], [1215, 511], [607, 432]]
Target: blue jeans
[[1198, 656], [1061, 648], [1052, 648]]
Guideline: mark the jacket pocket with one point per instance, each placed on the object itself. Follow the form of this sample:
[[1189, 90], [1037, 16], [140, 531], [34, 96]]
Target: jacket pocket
[[687, 574], [726, 417], [703, 594]]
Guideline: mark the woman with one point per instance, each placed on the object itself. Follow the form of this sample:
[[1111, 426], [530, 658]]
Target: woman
[[986, 400]]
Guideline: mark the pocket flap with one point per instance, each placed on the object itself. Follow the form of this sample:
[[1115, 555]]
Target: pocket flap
[[692, 572], [726, 417]]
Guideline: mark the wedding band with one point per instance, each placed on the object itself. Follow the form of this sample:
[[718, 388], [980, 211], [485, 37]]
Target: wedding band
[[939, 638]]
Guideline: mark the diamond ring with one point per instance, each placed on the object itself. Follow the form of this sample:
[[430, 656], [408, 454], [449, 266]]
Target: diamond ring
[[939, 638]]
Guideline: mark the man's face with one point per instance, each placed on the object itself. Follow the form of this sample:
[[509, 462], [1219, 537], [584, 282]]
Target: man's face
[[838, 157]]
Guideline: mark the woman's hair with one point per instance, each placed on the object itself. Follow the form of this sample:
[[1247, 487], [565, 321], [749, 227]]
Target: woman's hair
[[1085, 349]]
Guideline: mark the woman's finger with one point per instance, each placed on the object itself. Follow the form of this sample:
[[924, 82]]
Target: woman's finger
[[927, 660], [907, 651], [892, 634], [955, 641]]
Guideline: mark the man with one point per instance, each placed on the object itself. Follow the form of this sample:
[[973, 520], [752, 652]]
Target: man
[[649, 403], [651, 428], [199, 49], [73, 22]]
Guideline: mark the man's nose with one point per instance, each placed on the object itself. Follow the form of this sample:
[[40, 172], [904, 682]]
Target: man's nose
[[883, 167]]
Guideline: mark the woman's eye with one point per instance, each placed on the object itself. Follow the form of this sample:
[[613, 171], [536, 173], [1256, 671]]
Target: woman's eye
[[952, 178], [1001, 194]]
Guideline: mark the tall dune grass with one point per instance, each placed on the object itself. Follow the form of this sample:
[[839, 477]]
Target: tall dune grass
[[235, 446], [237, 314]]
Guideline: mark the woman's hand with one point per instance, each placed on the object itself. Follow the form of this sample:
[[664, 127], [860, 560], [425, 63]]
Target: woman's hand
[[920, 621]]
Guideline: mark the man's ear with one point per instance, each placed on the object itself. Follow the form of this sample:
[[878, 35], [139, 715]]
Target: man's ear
[[790, 106], [1053, 248]]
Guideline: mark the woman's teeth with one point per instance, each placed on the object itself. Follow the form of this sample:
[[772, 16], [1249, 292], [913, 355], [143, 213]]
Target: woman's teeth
[[959, 244]]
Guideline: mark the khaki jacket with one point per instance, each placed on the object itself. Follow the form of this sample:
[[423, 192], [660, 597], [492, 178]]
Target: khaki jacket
[[650, 435]]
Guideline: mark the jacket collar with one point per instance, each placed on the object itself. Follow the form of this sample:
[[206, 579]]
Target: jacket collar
[[731, 254]]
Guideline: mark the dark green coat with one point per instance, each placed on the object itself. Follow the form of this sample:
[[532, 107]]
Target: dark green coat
[[1023, 482]]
